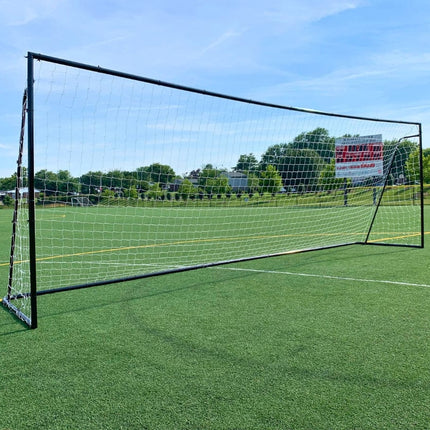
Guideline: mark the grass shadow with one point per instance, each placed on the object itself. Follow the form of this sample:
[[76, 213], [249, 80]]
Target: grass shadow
[[12, 320], [226, 276]]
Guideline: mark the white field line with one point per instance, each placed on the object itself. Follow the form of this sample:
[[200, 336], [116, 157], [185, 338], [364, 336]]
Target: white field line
[[336, 278]]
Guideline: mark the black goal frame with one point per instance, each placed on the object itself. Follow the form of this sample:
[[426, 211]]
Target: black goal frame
[[28, 108]]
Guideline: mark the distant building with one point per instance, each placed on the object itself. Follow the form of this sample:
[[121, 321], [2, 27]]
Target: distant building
[[238, 181], [174, 186], [22, 191]]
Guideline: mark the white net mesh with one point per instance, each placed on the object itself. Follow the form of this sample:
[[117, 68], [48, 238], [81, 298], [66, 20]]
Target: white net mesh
[[135, 178]]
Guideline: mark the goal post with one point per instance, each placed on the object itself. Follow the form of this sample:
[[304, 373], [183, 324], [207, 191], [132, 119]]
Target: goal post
[[129, 177], [22, 304]]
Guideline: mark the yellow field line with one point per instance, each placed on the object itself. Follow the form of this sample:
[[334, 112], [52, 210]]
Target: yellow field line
[[221, 239], [154, 245], [396, 237], [50, 217]]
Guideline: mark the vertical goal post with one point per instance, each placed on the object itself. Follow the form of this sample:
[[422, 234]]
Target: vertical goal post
[[130, 177]]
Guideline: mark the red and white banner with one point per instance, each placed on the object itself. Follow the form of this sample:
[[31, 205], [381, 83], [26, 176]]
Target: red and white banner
[[359, 156]]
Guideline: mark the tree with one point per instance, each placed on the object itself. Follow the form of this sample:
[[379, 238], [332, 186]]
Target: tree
[[161, 173], [113, 179], [52, 183], [108, 194], [92, 181], [217, 185], [186, 189], [8, 183], [142, 174], [207, 173], [131, 192], [66, 183], [154, 191], [412, 166], [246, 163], [318, 140], [213, 181], [8, 200], [270, 180], [253, 183], [402, 153], [296, 166], [47, 181], [327, 179]]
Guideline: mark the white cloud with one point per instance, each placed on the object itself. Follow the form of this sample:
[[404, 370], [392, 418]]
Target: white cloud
[[26, 11], [306, 11], [220, 40], [401, 61]]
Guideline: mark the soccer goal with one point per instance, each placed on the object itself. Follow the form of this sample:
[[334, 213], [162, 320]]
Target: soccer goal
[[80, 201], [130, 177]]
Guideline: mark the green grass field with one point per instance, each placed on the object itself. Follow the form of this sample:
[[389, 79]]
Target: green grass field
[[79, 245], [334, 339]]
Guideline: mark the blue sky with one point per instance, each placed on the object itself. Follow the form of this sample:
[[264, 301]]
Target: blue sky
[[359, 57]]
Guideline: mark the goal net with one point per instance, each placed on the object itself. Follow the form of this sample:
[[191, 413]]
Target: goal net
[[130, 177]]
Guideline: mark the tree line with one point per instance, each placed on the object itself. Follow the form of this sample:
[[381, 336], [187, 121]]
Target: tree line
[[306, 163]]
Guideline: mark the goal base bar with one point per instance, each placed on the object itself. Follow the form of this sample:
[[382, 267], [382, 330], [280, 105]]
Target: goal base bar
[[207, 265], [15, 311]]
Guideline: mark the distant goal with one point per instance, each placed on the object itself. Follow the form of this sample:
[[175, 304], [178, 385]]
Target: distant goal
[[80, 201], [130, 177]]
